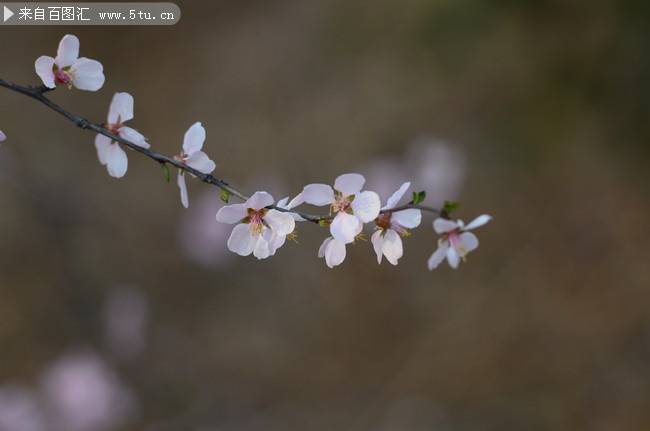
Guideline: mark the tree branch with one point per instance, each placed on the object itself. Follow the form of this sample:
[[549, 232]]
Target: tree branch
[[38, 94]]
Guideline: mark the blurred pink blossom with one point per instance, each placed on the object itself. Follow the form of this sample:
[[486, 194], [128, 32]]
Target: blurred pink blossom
[[126, 312]]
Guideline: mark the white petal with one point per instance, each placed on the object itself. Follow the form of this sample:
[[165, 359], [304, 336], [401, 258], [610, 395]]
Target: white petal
[[194, 138], [394, 199], [438, 256], [87, 74], [241, 241], [2, 136], [261, 250], [44, 65], [185, 199], [323, 246], [377, 240], [282, 223], [478, 221], [121, 108], [282, 203], [392, 246], [441, 225], [345, 227], [298, 200], [452, 257], [275, 241], [259, 200], [201, 162], [468, 241], [103, 144], [116, 161], [133, 136], [409, 218], [232, 213], [366, 206], [349, 184], [334, 253], [317, 194], [68, 51]]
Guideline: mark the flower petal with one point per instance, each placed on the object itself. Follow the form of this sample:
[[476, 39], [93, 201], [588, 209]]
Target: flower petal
[[121, 108], [275, 241], [259, 200], [392, 246], [452, 257], [468, 241], [409, 218], [44, 65], [201, 162], [261, 250], [68, 51], [232, 214], [349, 184], [116, 161], [438, 256], [395, 197], [366, 206], [323, 246], [345, 227], [377, 240], [334, 253], [133, 136], [241, 241], [102, 143], [478, 221], [317, 194], [185, 199], [87, 74], [194, 138], [441, 225], [282, 223], [2, 136]]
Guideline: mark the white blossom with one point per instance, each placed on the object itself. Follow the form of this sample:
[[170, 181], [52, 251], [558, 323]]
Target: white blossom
[[68, 69], [259, 230], [333, 251], [352, 206], [2, 136], [192, 156], [109, 152], [392, 226], [456, 241]]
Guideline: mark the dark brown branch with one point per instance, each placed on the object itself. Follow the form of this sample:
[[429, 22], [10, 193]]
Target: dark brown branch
[[38, 94]]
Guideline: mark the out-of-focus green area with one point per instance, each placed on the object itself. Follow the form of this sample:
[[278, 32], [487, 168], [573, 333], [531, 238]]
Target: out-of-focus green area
[[537, 111]]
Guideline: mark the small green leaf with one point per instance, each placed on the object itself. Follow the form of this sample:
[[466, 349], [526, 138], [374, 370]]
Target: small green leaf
[[418, 197], [450, 207], [323, 222], [166, 173], [225, 196]]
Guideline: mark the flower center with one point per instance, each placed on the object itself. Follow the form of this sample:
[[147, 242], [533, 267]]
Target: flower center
[[454, 240], [383, 221], [114, 128], [342, 203], [256, 220], [61, 76]]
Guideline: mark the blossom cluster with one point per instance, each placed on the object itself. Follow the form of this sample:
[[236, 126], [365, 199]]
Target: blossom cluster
[[263, 225]]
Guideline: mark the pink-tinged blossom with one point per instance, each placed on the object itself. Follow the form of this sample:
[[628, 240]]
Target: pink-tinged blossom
[[456, 241], [109, 152], [333, 251], [260, 231], [192, 156], [392, 226], [68, 69], [352, 206]]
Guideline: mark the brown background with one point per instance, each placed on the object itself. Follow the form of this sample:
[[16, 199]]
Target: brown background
[[546, 327]]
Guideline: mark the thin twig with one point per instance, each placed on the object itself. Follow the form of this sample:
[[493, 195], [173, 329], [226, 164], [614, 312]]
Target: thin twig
[[38, 94]]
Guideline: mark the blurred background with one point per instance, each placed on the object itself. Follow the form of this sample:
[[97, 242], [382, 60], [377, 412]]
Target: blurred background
[[119, 310]]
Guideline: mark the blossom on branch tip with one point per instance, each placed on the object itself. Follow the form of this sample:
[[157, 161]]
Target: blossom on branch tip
[[260, 231], [68, 69], [333, 251], [352, 206], [192, 156], [456, 241], [392, 226], [109, 152]]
